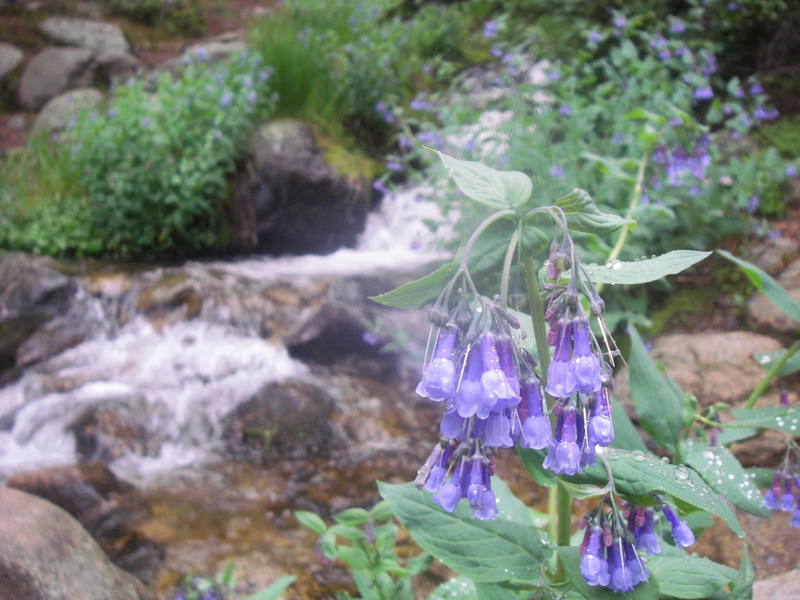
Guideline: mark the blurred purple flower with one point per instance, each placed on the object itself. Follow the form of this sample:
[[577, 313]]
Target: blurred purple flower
[[490, 29], [556, 171], [565, 110], [703, 93]]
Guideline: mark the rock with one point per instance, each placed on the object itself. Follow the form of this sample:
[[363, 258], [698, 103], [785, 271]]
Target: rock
[[54, 115], [115, 65], [289, 200], [10, 57], [107, 432], [715, 366], [772, 255], [785, 587], [31, 293], [765, 316], [47, 555], [53, 71], [287, 419], [82, 33], [210, 51]]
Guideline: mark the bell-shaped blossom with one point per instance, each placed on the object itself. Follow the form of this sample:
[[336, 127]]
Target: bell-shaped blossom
[[454, 426], [621, 577], [633, 562], [469, 395], [439, 375], [497, 392], [787, 499], [646, 538], [452, 490], [537, 432], [601, 427], [505, 352], [594, 566], [586, 363], [771, 497], [561, 380], [564, 456], [479, 491], [681, 533]]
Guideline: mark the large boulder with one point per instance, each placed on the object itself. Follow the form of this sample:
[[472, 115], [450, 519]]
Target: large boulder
[[47, 555], [53, 118], [83, 33], [53, 71], [10, 57], [290, 200]]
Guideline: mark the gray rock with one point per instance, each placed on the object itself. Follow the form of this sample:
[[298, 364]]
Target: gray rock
[[715, 366], [289, 200], [785, 587], [765, 316], [54, 115], [47, 555], [53, 71], [773, 255], [82, 33], [210, 51], [115, 65], [10, 57]]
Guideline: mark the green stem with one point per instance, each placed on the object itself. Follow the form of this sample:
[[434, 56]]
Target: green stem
[[481, 227], [564, 507], [770, 375], [507, 260]]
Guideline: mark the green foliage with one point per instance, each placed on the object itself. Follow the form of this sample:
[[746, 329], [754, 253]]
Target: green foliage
[[183, 17], [145, 178]]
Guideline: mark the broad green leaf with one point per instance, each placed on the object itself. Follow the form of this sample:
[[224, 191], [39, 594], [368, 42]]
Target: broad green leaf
[[646, 270], [484, 551], [625, 435], [419, 564], [743, 589], [581, 491], [637, 473], [659, 408], [571, 561], [274, 591], [498, 189], [725, 475], [420, 292], [458, 588], [767, 359], [584, 215], [310, 521], [509, 507], [352, 516], [532, 461], [689, 576], [381, 512], [613, 166], [764, 282], [785, 418], [640, 114]]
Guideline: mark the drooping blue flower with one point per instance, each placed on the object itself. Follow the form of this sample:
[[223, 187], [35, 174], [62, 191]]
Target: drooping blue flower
[[454, 426], [469, 395], [561, 381], [494, 430], [703, 93], [787, 499], [601, 427], [594, 566], [537, 432], [621, 576], [479, 491], [681, 533], [644, 533], [633, 562], [497, 391], [439, 375], [451, 491], [586, 363], [564, 456]]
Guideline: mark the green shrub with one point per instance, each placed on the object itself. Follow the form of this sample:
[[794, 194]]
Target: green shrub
[[148, 176]]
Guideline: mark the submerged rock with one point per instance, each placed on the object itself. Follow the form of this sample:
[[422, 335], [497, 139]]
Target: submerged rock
[[47, 555]]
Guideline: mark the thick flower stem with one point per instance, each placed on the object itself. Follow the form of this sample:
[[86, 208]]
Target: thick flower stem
[[770, 375]]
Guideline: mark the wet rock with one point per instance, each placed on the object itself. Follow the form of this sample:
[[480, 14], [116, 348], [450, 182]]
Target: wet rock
[[765, 316], [31, 293], [53, 71], [785, 587], [83, 33], [10, 57], [291, 419], [47, 555], [107, 432], [715, 366], [54, 115], [290, 201]]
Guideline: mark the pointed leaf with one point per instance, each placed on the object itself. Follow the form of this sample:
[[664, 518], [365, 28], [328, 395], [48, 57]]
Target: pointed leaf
[[420, 292], [458, 588], [646, 270], [571, 561], [689, 576], [584, 215], [509, 507], [771, 288], [724, 474], [784, 418], [486, 551], [497, 189], [767, 359], [310, 521], [660, 409], [274, 591], [625, 435]]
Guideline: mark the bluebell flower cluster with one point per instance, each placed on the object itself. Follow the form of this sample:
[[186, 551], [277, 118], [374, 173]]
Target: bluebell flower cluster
[[781, 494], [614, 544]]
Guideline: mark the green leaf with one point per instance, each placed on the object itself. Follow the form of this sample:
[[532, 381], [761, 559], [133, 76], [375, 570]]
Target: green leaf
[[659, 408], [743, 589], [764, 282], [532, 461], [724, 474], [767, 359], [571, 561], [353, 556], [486, 551], [611, 166], [646, 270], [458, 588], [498, 189], [581, 491], [509, 507], [493, 591], [784, 418], [419, 564], [310, 521], [583, 214], [625, 435], [381, 512], [274, 591], [637, 473], [352, 516], [420, 292], [689, 576]]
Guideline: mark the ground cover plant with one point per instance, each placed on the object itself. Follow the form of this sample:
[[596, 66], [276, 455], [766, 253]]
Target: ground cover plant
[[536, 374]]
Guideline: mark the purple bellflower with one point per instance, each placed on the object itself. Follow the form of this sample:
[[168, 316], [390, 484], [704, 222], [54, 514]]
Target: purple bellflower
[[439, 375], [594, 566], [681, 533], [564, 455]]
